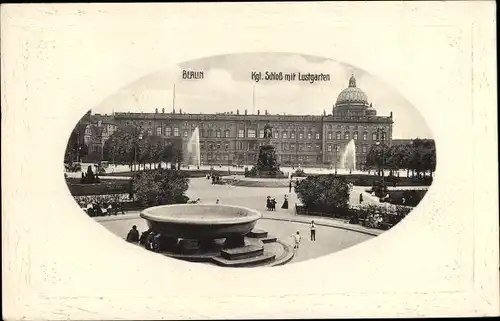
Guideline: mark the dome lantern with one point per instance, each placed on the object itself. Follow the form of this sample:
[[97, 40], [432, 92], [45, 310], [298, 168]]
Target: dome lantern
[[352, 81]]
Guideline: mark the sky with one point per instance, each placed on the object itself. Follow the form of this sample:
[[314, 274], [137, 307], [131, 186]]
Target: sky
[[227, 86]]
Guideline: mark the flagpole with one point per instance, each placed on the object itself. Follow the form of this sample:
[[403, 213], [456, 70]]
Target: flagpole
[[253, 98], [173, 99]]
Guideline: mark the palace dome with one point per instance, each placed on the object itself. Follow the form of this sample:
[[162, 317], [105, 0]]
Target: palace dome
[[352, 95]]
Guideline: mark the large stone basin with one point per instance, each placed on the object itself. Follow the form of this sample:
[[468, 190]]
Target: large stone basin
[[200, 221]]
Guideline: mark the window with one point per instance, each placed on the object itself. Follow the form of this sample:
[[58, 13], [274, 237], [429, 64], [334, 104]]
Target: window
[[292, 135], [292, 146], [217, 157], [364, 148], [185, 133], [337, 135], [168, 131], [301, 135], [210, 133], [374, 136], [261, 133], [202, 132], [202, 145], [158, 131], [309, 135], [383, 136], [329, 135], [309, 146], [346, 135], [218, 146], [227, 146], [301, 147], [329, 148], [150, 132], [318, 146], [317, 135], [355, 135], [251, 133], [276, 135], [210, 146], [87, 130], [285, 146], [337, 148], [284, 135], [241, 133], [209, 157], [365, 135], [226, 157], [176, 132], [226, 133], [217, 133]]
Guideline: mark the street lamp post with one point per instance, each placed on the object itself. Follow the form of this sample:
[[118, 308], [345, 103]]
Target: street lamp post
[[381, 138], [335, 160]]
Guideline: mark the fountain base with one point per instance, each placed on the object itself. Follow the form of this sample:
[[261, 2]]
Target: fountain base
[[255, 249]]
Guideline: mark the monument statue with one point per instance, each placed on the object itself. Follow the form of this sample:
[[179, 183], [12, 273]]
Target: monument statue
[[267, 163], [268, 134]]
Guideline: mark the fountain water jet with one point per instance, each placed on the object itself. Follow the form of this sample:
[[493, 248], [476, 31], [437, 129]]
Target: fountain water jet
[[193, 148], [348, 159]]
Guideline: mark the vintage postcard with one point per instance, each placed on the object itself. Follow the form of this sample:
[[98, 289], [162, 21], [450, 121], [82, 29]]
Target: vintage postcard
[[253, 160]]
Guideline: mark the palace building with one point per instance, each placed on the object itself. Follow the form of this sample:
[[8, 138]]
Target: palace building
[[234, 138]]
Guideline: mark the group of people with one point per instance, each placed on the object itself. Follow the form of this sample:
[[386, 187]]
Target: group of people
[[95, 209], [215, 178], [271, 203], [297, 237], [148, 238]]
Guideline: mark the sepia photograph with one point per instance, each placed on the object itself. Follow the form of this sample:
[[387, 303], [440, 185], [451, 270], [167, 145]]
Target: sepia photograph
[[249, 160]]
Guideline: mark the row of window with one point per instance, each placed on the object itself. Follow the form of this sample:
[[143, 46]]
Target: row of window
[[330, 148], [251, 133], [284, 146]]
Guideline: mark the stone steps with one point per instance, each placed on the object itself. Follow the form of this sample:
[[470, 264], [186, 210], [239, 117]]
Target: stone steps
[[269, 239], [263, 259], [257, 233], [245, 252]]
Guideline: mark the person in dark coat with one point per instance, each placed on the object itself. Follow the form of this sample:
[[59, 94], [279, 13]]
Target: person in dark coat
[[285, 203], [290, 186], [273, 204], [268, 203], [361, 198], [133, 235]]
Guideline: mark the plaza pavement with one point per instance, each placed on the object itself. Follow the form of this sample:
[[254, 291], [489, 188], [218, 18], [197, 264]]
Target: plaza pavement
[[331, 235]]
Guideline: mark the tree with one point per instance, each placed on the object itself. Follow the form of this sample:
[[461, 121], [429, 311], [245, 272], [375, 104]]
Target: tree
[[325, 192], [76, 147], [377, 157], [160, 187]]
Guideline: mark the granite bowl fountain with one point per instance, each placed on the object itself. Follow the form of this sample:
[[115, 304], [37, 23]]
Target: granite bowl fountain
[[199, 221], [219, 234]]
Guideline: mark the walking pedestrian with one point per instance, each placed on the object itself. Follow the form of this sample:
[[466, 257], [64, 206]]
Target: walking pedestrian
[[268, 203], [313, 231], [297, 238], [290, 186], [133, 235], [285, 203], [361, 198]]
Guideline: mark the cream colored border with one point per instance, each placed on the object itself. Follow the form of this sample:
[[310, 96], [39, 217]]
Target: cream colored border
[[59, 60]]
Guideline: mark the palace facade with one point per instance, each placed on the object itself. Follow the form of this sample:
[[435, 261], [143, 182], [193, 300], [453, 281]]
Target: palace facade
[[234, 138]]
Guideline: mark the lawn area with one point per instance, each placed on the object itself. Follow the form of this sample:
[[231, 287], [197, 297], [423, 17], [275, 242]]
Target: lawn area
[[106, 186], [188, 173], [412, 197]]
